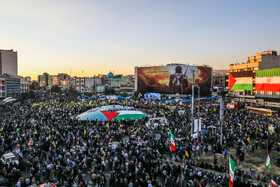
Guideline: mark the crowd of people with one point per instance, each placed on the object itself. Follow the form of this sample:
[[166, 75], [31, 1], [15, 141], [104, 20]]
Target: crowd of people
[[54, 146]]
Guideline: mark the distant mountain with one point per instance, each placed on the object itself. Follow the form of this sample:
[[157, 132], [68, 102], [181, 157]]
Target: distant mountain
[[218, 71]]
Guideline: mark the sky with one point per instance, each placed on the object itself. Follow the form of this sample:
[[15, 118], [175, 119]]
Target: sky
[[90, 37]]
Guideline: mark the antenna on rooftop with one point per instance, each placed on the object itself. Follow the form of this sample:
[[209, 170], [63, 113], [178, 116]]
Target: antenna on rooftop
[[237, 60]]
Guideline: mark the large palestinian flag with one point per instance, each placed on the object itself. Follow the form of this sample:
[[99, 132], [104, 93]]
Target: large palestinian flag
[[111, 113], [268, 80], [241, 80]]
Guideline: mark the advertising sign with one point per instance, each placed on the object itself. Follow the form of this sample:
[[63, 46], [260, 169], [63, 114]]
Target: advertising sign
[[272, 104], [152, 96], [172, 79], [197, 125]]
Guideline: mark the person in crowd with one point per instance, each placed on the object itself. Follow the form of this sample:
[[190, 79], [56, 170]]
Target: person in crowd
[[53, 146]]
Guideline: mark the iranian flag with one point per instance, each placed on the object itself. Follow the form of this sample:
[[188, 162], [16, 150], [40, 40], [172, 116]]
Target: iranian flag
[[273, 183], [241, 80], [173, 147], [268, 164], [268, 80], [231, 171]]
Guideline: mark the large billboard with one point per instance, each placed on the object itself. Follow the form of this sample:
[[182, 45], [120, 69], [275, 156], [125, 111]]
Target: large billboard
[[172, 79]]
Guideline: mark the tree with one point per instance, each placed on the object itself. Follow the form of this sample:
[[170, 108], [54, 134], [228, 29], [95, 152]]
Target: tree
[[124, 94], [71, 93], [30, 95], [34, 85], [109, 91], [56, 89]]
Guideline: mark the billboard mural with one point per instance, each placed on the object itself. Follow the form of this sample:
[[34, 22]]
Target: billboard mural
[[173, 78], [241, 80], [268, 80]]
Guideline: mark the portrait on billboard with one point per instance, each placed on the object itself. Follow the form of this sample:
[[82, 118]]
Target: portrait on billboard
[[178, 81], [173, 79]]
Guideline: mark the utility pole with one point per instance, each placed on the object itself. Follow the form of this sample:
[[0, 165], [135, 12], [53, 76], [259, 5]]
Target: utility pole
[[192, 105], [222, 110], [94, 85], [198, 99]]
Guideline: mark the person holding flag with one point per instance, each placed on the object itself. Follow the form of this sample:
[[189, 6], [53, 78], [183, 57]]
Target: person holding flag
[[172, 140], [273, 183], [268, 164], [187, 154], [231, 171]]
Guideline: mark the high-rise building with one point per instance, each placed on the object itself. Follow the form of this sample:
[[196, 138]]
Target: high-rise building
[[87, 84], [219, 79], [8, 62], [25, 83], [43, 80], [13, 88]]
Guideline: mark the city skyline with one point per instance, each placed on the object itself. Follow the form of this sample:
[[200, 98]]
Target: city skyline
[[95, 37]]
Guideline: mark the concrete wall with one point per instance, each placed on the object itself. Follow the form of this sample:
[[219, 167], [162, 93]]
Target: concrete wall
[[270, 62], [9, 62], [89, 81]]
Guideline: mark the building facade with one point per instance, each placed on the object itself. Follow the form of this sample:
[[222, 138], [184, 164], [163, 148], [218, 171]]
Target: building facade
[[263, 60], [13, 86], [8, 62], [220, 80], [43, 80], [244, 80], [25, 83], [87, 84], [127, 87], [55, 80], [2, 87]]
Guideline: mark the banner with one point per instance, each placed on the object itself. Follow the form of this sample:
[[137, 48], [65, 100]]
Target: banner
[[241, 80], [195, 126], [268, 80], [172, 79]]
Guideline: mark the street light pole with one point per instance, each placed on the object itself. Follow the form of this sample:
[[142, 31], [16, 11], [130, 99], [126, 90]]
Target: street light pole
[[94, 85], [192, 126], [222, 110], [198, 99]]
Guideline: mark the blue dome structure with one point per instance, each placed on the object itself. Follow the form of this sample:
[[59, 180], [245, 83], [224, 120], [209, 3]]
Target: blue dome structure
[[110, 75]]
